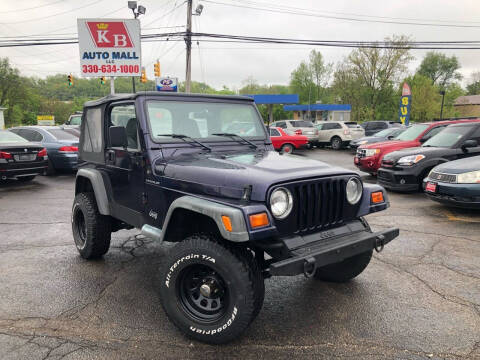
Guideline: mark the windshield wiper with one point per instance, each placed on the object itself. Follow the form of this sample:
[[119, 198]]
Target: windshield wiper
[[185, 137], [252, 145], [428, 146]]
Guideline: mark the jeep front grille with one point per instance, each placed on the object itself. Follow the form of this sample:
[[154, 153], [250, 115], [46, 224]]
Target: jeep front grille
[[319, 204], [448, 178]]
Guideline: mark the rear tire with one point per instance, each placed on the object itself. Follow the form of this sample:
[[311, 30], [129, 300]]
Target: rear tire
[[50, 169], [91, 230], [287, 148], [208, 289], [346, 270], [336, 143]]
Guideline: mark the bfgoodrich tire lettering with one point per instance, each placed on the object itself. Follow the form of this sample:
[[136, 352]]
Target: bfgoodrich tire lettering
[[91, 230], [231, 277]]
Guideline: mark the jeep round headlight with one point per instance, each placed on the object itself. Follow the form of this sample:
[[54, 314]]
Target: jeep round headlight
[[354, 190], [281, 203]]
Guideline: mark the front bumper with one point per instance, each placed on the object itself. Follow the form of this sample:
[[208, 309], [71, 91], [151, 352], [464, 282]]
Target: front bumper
[[367, 164], [458, 195], [406, 180], [310, 252]]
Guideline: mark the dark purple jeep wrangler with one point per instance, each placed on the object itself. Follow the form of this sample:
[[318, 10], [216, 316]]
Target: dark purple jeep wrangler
[[179, 168]]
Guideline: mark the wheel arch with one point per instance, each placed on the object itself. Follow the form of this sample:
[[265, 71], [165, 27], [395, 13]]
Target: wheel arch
[[90, 180], [202, 215]]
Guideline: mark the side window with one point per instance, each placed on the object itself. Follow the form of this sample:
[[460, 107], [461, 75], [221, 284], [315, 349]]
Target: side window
[[124, 115], [28, 134], [327, 126], [36, 136], [476, 135], [282, 124], [336, 126], [93, 131], [432, 132], [274, 132]]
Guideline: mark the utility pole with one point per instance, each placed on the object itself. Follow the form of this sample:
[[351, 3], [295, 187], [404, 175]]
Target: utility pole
[[188, 41], [441, 109]]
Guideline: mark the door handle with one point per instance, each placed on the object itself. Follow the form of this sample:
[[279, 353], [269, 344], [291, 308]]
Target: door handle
[[111, 155]]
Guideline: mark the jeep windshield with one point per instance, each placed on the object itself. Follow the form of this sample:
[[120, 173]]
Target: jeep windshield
[[202, 120], [412, 132]]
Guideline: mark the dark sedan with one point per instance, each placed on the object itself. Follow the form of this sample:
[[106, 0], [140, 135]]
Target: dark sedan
[[456, 183], [384, 135], [61, 145], [19, 158], [404, 170]]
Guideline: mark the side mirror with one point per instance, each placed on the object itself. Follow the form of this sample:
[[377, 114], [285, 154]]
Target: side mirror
[[390, 137], [469, 144], [118, 136], [422, 140]]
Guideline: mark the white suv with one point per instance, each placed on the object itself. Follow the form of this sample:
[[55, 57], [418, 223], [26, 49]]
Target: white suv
[[299, 127], [338, 133]]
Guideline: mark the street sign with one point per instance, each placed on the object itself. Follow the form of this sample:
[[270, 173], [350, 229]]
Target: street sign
[[109, 47], [167, 84], [45, 120]]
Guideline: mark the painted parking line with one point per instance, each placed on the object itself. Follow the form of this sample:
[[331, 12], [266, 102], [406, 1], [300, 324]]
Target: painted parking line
[[463, 218]]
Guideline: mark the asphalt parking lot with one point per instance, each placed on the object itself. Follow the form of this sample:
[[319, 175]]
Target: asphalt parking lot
[[418, 299]]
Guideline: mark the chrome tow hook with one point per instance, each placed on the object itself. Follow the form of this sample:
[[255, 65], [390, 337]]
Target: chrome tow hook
[[379, 243], [309, 267]]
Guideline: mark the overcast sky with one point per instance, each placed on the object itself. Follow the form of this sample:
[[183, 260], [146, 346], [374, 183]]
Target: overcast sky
[[230, 64]]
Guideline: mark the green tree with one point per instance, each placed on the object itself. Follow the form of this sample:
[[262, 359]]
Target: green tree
[[301, 83], [321, 73], [473, 87], [425, 98], [440, 68]]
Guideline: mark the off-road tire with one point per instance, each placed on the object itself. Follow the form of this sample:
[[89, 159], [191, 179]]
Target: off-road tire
[[257, 278], [336, 143], [91, 230], [287, 148], [26, 178], [232, 272], [346, 270]]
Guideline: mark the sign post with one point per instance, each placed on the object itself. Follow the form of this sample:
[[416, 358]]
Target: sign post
[[109, 47], [405, 105]]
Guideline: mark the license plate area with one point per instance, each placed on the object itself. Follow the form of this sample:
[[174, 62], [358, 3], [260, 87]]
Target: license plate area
[[25, 157], [431, 187]]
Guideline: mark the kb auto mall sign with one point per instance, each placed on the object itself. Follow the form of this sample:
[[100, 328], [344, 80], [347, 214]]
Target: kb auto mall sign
[[109, 47]]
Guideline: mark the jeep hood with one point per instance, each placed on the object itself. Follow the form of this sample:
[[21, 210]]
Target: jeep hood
[[227, 175]]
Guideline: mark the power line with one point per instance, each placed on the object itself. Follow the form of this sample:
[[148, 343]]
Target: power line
[[290, 12], [31, 8], [53, 15], [277, 6]]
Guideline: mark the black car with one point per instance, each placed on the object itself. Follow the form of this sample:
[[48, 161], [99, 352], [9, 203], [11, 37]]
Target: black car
[[383, 135], [238, 210], [19, 158], [456, 183], [404, 170], [61, 144], [372, 127]]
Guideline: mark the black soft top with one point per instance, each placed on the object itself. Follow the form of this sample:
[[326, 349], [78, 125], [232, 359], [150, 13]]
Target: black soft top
[[132, 96]]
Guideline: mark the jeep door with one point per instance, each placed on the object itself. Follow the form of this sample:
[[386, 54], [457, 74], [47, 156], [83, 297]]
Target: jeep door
[[125, 165]]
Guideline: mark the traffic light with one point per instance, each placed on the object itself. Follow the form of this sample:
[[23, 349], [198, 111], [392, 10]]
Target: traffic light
[[70, 80], [143, 78], [103, 80], [156, 68]]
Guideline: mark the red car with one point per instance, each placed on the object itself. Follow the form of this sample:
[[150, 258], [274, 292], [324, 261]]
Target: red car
[[285, 142], [369, 157]]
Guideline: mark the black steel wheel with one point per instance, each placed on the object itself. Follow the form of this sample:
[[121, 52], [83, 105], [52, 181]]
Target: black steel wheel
[[91, 230], [208, 289]]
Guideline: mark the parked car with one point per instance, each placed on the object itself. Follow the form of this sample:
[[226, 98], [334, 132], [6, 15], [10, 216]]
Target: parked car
[[455, 183], [61, 145], [74, 119], [338, 133], [372, 127], [404, 170], [286, 143], [299, 127], [369, 157], [384, 135], [19, 158], [238, 211]]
